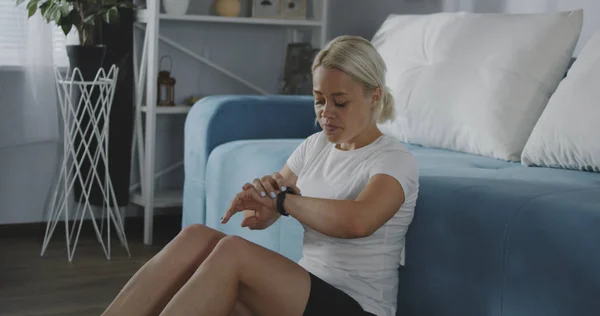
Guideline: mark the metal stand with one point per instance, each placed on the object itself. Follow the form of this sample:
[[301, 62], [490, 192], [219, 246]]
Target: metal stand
[[76, 100]]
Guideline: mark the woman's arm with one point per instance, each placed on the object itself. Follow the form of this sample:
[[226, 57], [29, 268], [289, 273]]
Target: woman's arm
[[376, 204]]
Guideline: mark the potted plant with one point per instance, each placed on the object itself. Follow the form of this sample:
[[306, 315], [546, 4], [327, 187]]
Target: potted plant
[[105, 31], [86, 16]]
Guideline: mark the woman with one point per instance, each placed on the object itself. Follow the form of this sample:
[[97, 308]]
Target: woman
[[358, 193]]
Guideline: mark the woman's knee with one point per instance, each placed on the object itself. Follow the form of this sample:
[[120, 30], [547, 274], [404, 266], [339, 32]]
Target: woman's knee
[[230, 250], [199, 233]]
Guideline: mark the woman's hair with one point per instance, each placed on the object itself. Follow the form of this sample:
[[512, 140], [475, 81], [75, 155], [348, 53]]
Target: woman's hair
[[358, 58]]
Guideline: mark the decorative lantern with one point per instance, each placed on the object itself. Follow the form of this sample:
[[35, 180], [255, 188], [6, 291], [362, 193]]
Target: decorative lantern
[[166, 86]]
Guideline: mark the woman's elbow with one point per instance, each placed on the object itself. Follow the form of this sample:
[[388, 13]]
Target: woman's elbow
[[358, 228]]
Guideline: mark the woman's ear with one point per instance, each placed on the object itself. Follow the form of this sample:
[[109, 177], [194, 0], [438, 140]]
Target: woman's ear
[[375, 97]]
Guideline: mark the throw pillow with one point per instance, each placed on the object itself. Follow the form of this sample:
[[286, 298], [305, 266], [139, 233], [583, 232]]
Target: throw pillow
[[475, 83], [566, 136]]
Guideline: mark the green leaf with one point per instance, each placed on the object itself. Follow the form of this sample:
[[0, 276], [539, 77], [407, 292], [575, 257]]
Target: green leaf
[[65, 8], [74, 17], [19, 2], [49, 12], [66, 28], [111, 15], [57, 14], [43, 7], [49, 16], [32, 7]]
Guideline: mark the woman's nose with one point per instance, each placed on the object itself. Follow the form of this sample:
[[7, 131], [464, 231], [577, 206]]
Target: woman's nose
[[328, 110]]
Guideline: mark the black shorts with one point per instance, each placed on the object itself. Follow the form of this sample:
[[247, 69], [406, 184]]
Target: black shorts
[[326, 300]]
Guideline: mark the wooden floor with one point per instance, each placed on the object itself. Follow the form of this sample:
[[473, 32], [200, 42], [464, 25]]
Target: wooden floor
[[50, 285]]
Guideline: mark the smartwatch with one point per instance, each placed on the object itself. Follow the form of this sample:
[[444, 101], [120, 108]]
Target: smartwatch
[[281, 198]]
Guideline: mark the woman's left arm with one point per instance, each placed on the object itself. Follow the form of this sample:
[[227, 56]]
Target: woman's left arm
[[376, 204]]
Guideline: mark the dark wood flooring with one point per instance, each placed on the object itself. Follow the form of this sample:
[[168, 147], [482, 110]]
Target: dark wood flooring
[[51, 285]]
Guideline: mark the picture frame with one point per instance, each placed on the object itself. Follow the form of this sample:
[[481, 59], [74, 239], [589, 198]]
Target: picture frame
[[266, 8], [297, 74]]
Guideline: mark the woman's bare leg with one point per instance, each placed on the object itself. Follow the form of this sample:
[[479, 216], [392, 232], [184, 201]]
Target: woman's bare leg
[[264, 281], [151, 288]]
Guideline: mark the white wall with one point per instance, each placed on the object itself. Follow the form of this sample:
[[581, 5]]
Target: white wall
[[591, 11], [591, 22]]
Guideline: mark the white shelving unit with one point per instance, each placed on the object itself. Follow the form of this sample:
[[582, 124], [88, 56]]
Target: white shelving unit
[[146, 71]]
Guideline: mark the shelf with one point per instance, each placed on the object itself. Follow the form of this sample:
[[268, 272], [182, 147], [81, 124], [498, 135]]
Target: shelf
[[177, 109], [142, 18], [162, 199]]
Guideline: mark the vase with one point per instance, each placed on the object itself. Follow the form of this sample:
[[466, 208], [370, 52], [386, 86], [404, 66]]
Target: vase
[[176, 7], [229, 8]]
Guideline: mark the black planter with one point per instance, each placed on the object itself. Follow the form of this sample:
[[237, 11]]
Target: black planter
[[88, 59], [116, 49]]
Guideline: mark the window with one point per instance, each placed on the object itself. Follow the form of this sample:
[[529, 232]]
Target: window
[[13, 30]]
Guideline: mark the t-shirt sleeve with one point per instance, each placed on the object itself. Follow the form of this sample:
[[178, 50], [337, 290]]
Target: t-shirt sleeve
[[297, 159], [402, 166]]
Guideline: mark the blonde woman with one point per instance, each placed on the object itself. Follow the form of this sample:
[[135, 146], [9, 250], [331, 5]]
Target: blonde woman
[[351, 187]]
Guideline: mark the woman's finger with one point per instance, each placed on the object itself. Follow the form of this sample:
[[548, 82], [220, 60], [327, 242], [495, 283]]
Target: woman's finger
[[279, 180], [249, 221], [257, 184], [267, 183], [245, 200]]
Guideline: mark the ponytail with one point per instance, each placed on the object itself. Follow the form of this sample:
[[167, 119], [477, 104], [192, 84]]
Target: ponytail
[[385, 111]]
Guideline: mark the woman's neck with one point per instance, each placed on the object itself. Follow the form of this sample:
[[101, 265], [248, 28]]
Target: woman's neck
[[368, 136]]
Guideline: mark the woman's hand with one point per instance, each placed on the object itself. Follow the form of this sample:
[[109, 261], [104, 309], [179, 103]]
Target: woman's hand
[[270, 185], [265, 189], [251, 220], [264, 208]]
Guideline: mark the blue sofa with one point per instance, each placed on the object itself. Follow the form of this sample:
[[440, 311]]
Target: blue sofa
[[489, 237]]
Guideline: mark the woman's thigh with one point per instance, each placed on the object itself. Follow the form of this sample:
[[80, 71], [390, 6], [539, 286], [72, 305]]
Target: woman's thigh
[[270, 284]]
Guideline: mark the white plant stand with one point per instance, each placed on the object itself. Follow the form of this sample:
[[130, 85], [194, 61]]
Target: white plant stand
[[75, 97]]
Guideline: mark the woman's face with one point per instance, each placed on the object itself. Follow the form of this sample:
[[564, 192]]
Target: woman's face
[[343, 109]]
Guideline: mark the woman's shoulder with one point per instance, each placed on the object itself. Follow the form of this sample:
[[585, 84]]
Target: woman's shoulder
[[389, 145]]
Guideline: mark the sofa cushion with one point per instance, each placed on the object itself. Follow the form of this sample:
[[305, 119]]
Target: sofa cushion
[[491, 236], [566, 135], [233, 164], [474, 83]]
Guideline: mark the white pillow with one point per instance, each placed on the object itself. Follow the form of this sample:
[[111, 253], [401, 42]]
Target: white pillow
[[475, 83], [567, 134]]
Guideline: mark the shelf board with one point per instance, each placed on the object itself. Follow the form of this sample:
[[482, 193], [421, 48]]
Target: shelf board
[[142, 18], [177, 109], [162, 199]]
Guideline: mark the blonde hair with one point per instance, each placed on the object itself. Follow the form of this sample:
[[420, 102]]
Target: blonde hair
[[358, 58]]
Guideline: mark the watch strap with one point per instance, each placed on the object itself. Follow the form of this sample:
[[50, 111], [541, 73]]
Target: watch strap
[[280, 199]]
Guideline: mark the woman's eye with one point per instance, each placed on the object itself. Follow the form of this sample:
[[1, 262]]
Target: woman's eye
[[341, 104]]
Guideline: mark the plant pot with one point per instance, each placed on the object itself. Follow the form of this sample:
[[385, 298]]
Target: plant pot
[[88, 59]]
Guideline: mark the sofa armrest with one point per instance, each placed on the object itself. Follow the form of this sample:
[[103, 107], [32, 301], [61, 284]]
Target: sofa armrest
[[216, 120]]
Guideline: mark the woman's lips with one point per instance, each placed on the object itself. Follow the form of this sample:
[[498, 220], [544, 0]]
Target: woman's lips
[[329, 128]]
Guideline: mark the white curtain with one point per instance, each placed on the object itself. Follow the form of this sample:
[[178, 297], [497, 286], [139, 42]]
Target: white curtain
[[32, 48], [41, 112], [30, 137]]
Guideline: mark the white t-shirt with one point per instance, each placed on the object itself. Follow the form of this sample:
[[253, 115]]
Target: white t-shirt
[[364, 268]]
